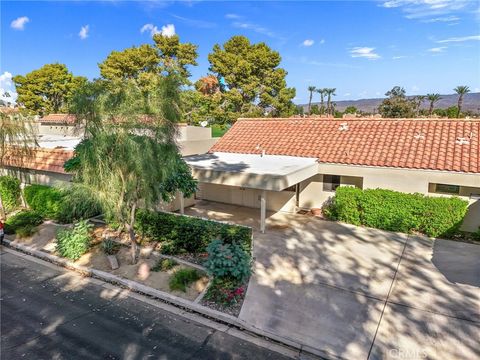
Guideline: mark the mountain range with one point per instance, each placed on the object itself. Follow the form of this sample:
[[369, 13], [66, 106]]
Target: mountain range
[[471, 102]]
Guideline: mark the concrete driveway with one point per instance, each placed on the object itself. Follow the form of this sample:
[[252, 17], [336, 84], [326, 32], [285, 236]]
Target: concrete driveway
[[355, 293]]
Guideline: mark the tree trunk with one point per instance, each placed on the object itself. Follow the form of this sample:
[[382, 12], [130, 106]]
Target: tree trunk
[[310, 104], [131, 234], [459, 105], [2, 209], [431, 108]]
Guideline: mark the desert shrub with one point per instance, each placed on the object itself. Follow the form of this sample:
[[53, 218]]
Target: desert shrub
[[225, 291], [22, 219], [10, 192], [228, 261], [164, 265], [73, 243], [476, 235], [44, 199], [26, 231], [182, 278], [63, 205], [77, 203], [396, 211], [110, 247], [180, 234]]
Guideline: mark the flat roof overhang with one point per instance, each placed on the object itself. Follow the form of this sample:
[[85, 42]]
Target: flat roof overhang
[[267, 172]]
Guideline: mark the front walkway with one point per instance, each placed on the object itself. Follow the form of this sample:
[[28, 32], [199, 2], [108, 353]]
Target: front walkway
[[359, 293]]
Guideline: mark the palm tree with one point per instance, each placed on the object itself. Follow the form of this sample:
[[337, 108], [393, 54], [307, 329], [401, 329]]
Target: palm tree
[[311, 89], [461, 90], [330, 92], [419, 99], [433, 98], [322, 96]]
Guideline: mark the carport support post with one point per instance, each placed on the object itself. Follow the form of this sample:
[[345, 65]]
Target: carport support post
[[182, 204], [263, 209]]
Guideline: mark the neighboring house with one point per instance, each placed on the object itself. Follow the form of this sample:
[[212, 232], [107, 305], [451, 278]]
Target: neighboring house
[[57, 137], [292, 164]]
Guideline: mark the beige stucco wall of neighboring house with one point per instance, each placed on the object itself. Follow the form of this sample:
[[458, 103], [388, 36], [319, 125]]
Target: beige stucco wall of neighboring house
[[312, 194], [195, 147], [191, 133], [36, 176], [58, 129], [276, 200]]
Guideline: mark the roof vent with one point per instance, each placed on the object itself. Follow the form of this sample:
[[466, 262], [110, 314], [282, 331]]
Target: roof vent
[[462, 141], [419, 136], [343, 127]]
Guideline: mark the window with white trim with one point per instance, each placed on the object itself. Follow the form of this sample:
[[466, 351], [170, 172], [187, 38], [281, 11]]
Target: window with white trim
[[331, 182]]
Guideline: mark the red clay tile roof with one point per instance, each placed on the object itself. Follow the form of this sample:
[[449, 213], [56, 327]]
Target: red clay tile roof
[[51, 160], [58, 119], [449, 145]]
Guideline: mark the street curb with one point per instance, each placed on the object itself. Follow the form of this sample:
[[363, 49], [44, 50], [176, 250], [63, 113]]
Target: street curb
[[165, 297]]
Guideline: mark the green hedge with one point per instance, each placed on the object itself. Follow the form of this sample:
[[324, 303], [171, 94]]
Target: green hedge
[[180, 234], [63, 205], [10, 192], [396, 211], [26, 219]]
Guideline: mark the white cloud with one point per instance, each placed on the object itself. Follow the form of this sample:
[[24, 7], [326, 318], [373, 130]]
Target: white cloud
[[451, 18], [254, 27], [232, 16], [460, 39], [399, 57], [6, 86], [364, 52], [19, 23], [437, 49], [83, 33], [435, 10], [167, 30], [308, 42]]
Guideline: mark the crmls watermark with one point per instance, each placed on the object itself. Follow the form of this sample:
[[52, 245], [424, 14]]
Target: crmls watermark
[[407, 354]]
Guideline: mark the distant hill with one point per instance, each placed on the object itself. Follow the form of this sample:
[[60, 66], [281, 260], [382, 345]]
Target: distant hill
[[471, 102]]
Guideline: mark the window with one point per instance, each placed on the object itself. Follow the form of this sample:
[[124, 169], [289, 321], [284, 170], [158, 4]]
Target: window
[[447, 189], [331, 182]]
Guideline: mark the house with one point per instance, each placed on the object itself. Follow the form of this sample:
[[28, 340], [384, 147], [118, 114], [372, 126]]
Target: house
[[291, 164], [57, 137]]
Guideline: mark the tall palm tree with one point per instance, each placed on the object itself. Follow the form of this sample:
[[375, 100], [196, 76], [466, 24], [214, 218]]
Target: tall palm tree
[[419, 99], [461, 90], [330, 92], [433, 98], [311, 89], [322, 97]]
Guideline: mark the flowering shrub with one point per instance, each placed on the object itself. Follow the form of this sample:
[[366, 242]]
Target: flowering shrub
[[228, 261], [225, 291]]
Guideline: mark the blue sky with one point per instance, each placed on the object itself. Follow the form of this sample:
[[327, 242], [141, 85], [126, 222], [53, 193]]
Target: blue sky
[[362, 48]]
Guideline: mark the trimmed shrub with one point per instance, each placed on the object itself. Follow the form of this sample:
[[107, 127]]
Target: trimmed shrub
[[396, 211], [73, 243], [78, 203], [164, 265], [10, 192], [225, 292], [228, 261], [44, 199], [180, 234], [26, 231], [23, 219], [182, 278], [63, 205]]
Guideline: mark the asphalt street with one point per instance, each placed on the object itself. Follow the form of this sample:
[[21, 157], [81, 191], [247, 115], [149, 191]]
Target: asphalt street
[[51, 313]]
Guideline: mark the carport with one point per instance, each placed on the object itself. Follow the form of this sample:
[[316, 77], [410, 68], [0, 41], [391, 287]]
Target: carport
[[253, 171]]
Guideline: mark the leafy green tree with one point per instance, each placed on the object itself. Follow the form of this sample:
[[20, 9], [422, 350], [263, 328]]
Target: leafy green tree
[[432, 98], [129, 157], [397, 105], [47, 89], [461, 91], [16, 136], [311, 89], [168, 55], [351, 110], [315, 110], [417, 103], [252, 82]]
